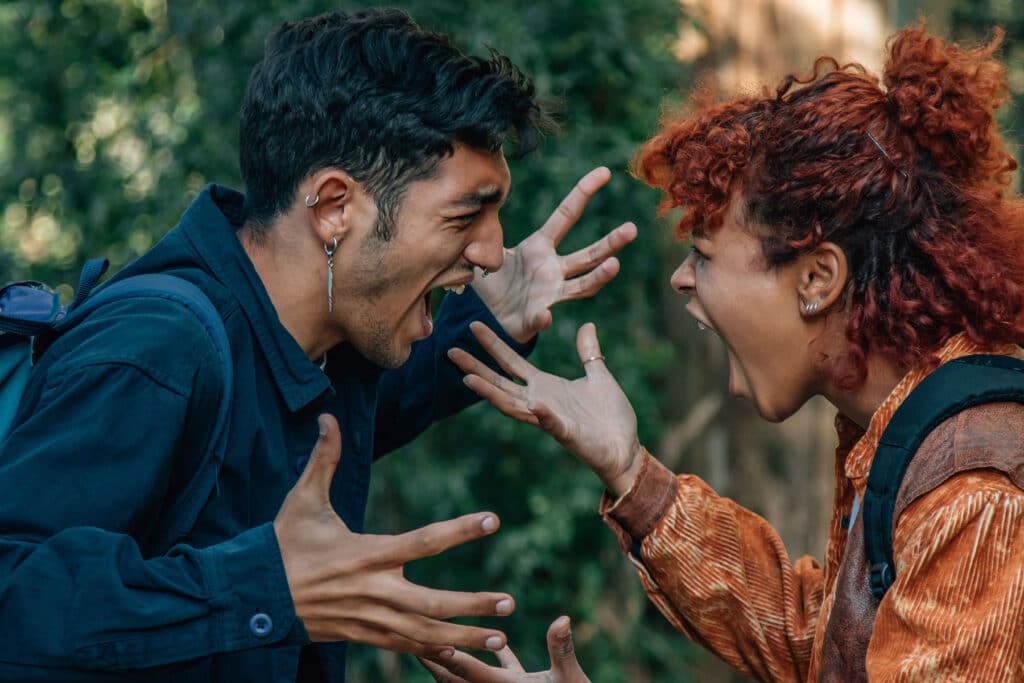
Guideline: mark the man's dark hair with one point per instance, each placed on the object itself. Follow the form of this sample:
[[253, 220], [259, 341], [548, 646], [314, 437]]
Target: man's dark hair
[[375, 95]]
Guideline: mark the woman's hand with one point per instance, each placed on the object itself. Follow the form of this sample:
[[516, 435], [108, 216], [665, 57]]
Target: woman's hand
[[591, 416], [460, 667]]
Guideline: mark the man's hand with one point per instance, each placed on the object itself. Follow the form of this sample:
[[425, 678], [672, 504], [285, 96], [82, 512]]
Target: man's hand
[[590, 416], [349, 586], [534, 277], [459, 667]]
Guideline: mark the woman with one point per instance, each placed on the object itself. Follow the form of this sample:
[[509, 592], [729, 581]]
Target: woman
[[848, 238]]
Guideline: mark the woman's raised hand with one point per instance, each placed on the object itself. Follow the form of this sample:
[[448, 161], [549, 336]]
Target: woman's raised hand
[[590, 416], [459, 667]]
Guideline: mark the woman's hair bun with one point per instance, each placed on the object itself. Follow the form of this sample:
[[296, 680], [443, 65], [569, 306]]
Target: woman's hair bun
[[945, 97]]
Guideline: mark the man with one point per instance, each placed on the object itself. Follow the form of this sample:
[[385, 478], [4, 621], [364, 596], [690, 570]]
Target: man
[[372, 157]]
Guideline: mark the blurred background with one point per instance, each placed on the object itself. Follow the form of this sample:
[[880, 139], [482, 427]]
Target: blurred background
[[114, 113]]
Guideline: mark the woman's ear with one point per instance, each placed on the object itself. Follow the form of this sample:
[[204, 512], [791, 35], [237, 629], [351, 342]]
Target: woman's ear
[[823, 274], [328, 201]]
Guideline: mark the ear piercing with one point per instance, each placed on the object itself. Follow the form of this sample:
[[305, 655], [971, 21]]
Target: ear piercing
[[330, 272]]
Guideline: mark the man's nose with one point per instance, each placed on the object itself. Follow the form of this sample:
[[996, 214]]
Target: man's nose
[[487, 250]]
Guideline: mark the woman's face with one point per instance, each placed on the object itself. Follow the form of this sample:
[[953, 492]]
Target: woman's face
[[757, 314]]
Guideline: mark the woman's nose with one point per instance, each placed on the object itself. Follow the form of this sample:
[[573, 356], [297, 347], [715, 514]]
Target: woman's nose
[[682, 279]]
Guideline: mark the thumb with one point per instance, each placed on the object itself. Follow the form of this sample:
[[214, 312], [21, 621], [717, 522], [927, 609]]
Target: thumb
[[323, 461], [563, 654], [590, 350]]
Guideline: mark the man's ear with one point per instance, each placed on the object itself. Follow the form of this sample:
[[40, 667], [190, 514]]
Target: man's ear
[[823, 274], [329, 199]]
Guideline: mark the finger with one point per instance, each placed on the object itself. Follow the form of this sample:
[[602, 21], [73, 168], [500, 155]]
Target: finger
[[386, 640], [562, 651], [471, 366], [571, 208], [591, 283], [434, 539], [440, 604], [509, 361], [323, 461], [471, 669], [441, 674], [609, 245], [508, 659], [516, 408], [589, 350], [430, 632], [541, 321]]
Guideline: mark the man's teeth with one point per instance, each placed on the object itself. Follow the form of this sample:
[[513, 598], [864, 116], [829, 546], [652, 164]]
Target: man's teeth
[[458, 289]]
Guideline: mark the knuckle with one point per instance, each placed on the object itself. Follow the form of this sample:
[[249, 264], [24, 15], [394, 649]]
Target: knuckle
[[433, 606]]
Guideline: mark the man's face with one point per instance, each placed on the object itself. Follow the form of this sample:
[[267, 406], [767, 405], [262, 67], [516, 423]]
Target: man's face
[[445, 225]]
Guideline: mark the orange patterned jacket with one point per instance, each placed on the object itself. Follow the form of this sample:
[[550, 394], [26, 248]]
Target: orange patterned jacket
[[720, 574]]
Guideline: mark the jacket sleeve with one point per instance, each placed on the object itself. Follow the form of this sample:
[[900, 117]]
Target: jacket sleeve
[[82, 480], [719, 573], [428, 387], [956, 609]]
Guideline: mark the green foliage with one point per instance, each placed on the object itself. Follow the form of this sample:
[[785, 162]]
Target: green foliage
[[114, 113]]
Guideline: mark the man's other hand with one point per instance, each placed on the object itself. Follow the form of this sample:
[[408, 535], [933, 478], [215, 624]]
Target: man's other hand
[[349, 586], [534, 277]]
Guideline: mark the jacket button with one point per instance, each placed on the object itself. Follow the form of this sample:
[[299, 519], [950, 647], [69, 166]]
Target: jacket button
[[261, 625]]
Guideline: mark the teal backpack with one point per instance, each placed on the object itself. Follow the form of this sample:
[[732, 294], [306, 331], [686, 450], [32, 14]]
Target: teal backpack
[[32, 317]]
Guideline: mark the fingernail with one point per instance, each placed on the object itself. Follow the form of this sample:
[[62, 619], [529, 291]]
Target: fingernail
[[446, 654], [320, 421], [503, 606], [489, 524], [493, 643]]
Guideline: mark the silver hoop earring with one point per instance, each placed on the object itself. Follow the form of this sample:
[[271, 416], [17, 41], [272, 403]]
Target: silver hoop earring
[[811, 308], [330, 271], [310, 203]]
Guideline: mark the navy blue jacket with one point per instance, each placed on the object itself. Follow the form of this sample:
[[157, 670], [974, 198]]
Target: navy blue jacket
[[118, 410]]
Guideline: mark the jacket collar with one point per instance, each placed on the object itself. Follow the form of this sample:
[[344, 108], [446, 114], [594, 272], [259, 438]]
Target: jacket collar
[[210, 225], [862, 454]]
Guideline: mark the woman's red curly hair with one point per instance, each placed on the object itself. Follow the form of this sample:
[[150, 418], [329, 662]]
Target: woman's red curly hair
[[911, 181]]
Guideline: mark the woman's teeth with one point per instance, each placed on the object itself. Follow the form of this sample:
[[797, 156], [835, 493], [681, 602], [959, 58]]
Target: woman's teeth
[[458, 289]]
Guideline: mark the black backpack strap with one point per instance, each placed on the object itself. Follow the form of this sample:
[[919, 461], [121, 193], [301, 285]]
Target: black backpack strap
[[951, 388]]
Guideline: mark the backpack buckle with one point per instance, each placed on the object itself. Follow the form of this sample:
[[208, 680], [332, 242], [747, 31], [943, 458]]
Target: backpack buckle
[[880, 578]]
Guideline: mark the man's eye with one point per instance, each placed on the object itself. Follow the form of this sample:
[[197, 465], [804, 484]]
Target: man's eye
[[464, 219], [698, 254]]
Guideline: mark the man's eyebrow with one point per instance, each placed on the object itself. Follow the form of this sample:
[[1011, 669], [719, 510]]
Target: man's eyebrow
[[491, 194]]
